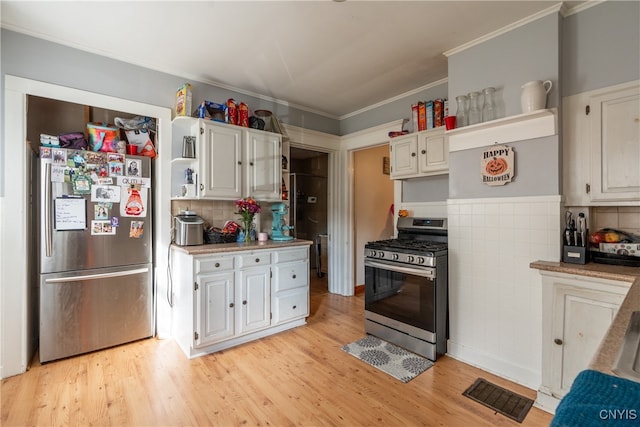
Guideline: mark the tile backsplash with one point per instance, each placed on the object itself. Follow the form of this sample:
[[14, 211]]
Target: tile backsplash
[[625, 218], [217, 212]]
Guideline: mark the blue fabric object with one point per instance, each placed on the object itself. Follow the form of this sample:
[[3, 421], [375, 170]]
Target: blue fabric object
[[598, 399]]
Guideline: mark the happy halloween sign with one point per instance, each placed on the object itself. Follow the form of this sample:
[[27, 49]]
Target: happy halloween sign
[[497, 165]]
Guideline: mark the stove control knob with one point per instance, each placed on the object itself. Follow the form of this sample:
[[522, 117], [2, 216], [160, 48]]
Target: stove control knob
[[381, 254], [410, 258], [420, 260], [395, 256], [372, 253]]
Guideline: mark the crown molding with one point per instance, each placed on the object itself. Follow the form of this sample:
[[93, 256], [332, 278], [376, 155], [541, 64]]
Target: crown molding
[[524, 21], [396, 98], [568, 11]]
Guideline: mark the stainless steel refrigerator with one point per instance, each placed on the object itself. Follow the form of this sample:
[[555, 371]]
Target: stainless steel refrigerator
[[95, 265]]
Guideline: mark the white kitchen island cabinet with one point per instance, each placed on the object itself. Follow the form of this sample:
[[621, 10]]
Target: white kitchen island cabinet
[[231, 161], [577, 312], [237, 293], [419, 154]]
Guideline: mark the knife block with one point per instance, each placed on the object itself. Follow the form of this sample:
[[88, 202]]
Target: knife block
[[575, 254]]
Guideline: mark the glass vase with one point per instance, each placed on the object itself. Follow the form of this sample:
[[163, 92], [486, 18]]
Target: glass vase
[[462, 110], [475, 114], [248, 223], [489, 108]]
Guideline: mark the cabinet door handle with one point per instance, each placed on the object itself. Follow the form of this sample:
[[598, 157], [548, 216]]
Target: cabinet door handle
[[257, 259], [413, 154], [250, 163], [558, 341], [201, 187], [217, 264], [231, 305], [294, 307], [239, 162], [423, 152], [244, 302], [294, 276]]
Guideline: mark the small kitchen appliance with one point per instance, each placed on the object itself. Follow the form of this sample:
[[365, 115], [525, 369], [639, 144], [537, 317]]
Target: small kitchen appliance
[[189, 229], [280, 212], [406, 287]]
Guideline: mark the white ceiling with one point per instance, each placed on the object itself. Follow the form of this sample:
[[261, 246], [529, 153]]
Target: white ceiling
[[333, 58]]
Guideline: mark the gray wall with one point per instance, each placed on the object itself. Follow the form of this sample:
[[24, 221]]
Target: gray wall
[[530, 52], [427, 189], [398, 109], [601, 47], [41, 60], [507, 62], [536, 171]]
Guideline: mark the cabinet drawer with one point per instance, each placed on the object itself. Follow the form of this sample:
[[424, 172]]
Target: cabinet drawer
[[254, 259], [204, 265], [290, 276], [291, 306], [290, 255]]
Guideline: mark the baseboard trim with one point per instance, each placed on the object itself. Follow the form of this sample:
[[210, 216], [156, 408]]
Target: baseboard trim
[[359, 289]]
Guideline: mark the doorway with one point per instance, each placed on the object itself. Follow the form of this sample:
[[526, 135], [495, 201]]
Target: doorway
[[309, 204], [373, 193]]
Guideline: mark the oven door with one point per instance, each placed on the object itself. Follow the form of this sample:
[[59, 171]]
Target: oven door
[[405, 294]]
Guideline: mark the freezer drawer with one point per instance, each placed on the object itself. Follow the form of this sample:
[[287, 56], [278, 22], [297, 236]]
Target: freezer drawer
[[88, 310]]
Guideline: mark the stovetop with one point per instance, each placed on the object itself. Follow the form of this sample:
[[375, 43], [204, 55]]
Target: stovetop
[[400, 245]]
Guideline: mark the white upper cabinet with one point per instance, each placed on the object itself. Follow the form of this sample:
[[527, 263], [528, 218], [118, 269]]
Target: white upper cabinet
[[220, 161], [231, 161], [601, 146], [615, 144], [263, 165], [419, 154]]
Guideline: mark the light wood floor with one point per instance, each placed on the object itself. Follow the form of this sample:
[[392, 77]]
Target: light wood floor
[[298, 377]]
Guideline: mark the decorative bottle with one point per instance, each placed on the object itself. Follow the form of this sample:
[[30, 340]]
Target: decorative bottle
[[489, 106], [462, 110], [475, 114]]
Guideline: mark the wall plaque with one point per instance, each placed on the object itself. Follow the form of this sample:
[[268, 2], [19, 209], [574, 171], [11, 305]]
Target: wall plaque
[[497, 165]]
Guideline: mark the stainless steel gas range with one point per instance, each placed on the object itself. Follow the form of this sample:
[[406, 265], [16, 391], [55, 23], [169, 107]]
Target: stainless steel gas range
[[406, 287]]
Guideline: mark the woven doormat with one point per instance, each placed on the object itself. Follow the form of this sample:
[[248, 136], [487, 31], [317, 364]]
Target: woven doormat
[[393, 360], [499, 399]]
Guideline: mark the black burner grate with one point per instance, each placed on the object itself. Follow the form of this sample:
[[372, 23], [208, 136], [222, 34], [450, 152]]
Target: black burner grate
[[421, 245]]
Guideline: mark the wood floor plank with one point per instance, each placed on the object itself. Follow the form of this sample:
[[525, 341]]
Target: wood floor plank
[[297, 377]]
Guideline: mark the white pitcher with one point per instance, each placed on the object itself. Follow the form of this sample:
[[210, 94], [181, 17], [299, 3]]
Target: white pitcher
[[534, 95]]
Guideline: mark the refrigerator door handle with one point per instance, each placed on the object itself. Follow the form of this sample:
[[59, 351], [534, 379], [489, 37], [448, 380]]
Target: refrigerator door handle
[[48, 206], [97, 276]]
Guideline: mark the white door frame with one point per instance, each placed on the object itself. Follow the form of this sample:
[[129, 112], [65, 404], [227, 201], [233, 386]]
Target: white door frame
[[15, 353]]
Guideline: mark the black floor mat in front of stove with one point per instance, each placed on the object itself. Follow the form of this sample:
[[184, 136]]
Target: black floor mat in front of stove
[[499, 399]]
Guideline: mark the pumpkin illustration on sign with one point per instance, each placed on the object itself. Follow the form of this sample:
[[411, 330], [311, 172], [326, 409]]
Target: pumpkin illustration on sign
[[496, 166]]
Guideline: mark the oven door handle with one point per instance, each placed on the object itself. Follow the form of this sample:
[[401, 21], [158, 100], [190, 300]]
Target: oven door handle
[[416, 271]]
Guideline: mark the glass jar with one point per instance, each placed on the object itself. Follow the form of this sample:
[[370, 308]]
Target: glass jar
[[489, 107], [462, 110], [475, 114]]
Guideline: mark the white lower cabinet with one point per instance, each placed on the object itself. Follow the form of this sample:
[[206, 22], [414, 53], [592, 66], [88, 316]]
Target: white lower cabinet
[[290, 290], [577, 312], [222, 300]]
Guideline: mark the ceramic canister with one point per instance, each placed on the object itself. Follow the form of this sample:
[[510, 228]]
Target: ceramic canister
[[534, 95]]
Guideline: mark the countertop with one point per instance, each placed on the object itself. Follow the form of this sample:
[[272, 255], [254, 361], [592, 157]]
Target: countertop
[[607, 353], [236, 247]]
